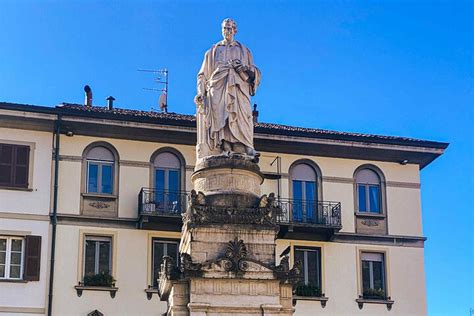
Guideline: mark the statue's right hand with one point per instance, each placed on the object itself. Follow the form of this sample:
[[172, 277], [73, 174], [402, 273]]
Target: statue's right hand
[[199, 100]]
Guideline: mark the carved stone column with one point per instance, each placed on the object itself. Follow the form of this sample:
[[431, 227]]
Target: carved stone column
[[227, 249]]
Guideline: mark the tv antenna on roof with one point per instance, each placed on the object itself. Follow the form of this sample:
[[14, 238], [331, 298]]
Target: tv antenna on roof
[[161, 77]]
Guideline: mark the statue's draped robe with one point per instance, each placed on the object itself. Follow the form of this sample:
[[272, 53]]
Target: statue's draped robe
[[226, 113]]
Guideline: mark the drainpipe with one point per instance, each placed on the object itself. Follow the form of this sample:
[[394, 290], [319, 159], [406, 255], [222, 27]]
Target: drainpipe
[[57, 134]]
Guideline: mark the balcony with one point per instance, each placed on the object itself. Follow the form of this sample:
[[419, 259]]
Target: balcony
[[317, 218], [161, 210]]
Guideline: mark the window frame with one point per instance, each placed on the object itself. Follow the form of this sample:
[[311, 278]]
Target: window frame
[[305, 272], [165, 241], [97, 238], [8, 253], [382, 198], [386, 271], [100, 164], [318, 194], [29, 165]]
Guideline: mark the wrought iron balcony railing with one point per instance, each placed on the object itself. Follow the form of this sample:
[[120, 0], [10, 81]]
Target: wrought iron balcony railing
[[324, 213], [292, 212], [161, 202]]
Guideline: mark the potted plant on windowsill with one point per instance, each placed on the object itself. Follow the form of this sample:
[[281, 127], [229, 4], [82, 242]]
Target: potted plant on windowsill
[[374, 294], [99, 279], [97, 282], [308, 290]]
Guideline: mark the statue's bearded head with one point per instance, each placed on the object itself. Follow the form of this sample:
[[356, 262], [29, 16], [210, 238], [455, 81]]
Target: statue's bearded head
[[229, 29]]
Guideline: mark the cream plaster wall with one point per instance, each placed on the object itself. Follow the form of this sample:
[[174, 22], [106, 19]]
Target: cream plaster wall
[[404, 209], [37, 200], [32, 294], [340, 277], [403, 203], [132, 249]]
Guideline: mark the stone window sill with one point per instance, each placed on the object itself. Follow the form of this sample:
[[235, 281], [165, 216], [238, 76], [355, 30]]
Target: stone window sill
[[362, 301], [13, 281], [322, 299], [150, 291], [372, 215], [16, 189], [111, 289], [99, 195]]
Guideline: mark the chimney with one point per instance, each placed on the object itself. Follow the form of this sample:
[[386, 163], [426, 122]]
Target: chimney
[[110, 103], [88, 98], [255, 113]]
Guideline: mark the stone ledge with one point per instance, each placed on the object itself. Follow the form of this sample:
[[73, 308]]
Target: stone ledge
[[362, 301], [111, 289], [322, 299]]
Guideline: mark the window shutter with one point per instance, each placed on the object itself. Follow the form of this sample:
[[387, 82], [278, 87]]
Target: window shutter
[[22, 157], [6, 164], [32, 258]]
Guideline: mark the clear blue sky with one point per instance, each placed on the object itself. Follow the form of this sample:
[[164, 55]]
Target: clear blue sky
[[387, 67]]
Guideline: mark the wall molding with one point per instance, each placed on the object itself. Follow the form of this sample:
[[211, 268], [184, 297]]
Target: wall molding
[[32, 217], [396, 184], [23, 310]]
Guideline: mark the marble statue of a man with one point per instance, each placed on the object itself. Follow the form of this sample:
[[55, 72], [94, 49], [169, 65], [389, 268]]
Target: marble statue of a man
[[225, 83]]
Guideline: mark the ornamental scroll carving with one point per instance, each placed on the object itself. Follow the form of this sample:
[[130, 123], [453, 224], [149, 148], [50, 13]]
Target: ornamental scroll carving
[[198, 213]]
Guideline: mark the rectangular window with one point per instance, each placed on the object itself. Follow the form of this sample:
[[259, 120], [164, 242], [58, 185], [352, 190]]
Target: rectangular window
[[12, 251], [97, 256], [100, 177], [160, 249], [310, 259], [373, 275], [14, 165]]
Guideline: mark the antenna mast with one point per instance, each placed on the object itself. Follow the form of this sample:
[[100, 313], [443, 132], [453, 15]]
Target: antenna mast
[[161, 77]]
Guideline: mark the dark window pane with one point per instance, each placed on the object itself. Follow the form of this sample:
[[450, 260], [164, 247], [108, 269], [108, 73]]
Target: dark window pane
[[173, 180], [92, 177], [365, 275], [172, 251], [310, 200], [104, 257], [21, 176], [313, 268], [6, 153], [89, 262], [15, 272], [362, 198], [160, 180], [107, 179], [15, 258], [173, 187], [2, 270], [378, 275], [374, 197], [22, 155], [3, 245], [299, 256], [158, 253], [3, 256], [16, 244], [297, 200], [5, 174]]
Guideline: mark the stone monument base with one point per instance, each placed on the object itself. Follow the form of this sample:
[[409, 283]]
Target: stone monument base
[[227, 250]]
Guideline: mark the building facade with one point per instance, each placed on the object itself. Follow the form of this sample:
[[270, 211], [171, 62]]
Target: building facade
[[111, 184]]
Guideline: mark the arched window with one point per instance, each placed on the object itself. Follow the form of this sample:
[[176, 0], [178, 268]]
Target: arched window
[[100, 170], [305, 188], [369, 197], [167, 174]]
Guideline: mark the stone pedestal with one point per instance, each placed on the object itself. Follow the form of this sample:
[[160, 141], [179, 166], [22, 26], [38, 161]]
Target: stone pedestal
[[227, 248]]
